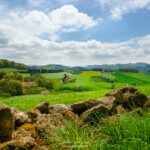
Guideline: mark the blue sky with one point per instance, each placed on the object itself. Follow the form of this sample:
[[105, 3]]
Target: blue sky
[[75, 32]]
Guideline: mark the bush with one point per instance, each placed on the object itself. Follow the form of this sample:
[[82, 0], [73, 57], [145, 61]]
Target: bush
[[33, 90], [13, 87], [43, 82]]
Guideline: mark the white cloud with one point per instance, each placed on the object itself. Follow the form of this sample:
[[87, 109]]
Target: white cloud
[[120, 7], [35, 23], [37, 51], [69, 16]]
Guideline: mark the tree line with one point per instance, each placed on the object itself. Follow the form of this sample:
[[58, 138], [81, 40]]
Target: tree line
[[4, 63]]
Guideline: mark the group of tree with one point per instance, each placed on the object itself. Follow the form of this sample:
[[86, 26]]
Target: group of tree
[[10, 83], [12, 64]]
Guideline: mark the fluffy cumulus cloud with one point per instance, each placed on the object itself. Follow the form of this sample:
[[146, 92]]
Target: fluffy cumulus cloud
[[118, 8], [35, 23], [69, 16]]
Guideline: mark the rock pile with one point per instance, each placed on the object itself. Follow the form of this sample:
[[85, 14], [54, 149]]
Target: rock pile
[[24, 130]]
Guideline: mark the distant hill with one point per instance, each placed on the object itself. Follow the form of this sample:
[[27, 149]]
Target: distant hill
[[14, 65], [52, 67], [140, 66]]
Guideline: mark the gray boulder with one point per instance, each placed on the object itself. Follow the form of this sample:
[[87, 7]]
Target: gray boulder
[[43, 107], [33, 115], [110, 102], [80, 107], [94, 114], [58, 108], [20, 117], [129, 97], [64, 110], [6, 123]]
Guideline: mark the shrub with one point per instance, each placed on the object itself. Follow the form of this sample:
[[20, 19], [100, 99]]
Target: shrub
[[49, 84], [13, 87], [33, 90], [43, 82]]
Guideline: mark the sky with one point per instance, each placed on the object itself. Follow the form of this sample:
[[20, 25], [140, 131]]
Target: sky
[[75, 32]]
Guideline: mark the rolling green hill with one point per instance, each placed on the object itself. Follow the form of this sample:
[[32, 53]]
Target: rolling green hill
[[140, 66]]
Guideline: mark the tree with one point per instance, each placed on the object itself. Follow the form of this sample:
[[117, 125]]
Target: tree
[[43, 82]]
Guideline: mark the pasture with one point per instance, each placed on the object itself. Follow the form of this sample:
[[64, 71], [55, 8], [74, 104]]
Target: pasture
[[69, 93]]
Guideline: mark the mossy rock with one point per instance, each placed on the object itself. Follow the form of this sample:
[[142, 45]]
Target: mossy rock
[[27, 129]]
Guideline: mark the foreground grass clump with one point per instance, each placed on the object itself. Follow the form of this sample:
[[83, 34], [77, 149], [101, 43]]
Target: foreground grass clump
[[127, 132]]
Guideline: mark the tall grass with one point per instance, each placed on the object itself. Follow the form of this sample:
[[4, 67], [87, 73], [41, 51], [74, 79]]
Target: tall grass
[[125, 133]]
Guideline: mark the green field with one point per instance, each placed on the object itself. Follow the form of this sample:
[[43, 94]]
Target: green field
[[89, 74], [132, 77], [108, 75], [70, 94]]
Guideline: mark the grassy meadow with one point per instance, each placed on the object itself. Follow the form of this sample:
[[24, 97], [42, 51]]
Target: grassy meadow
[[69, 93]]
